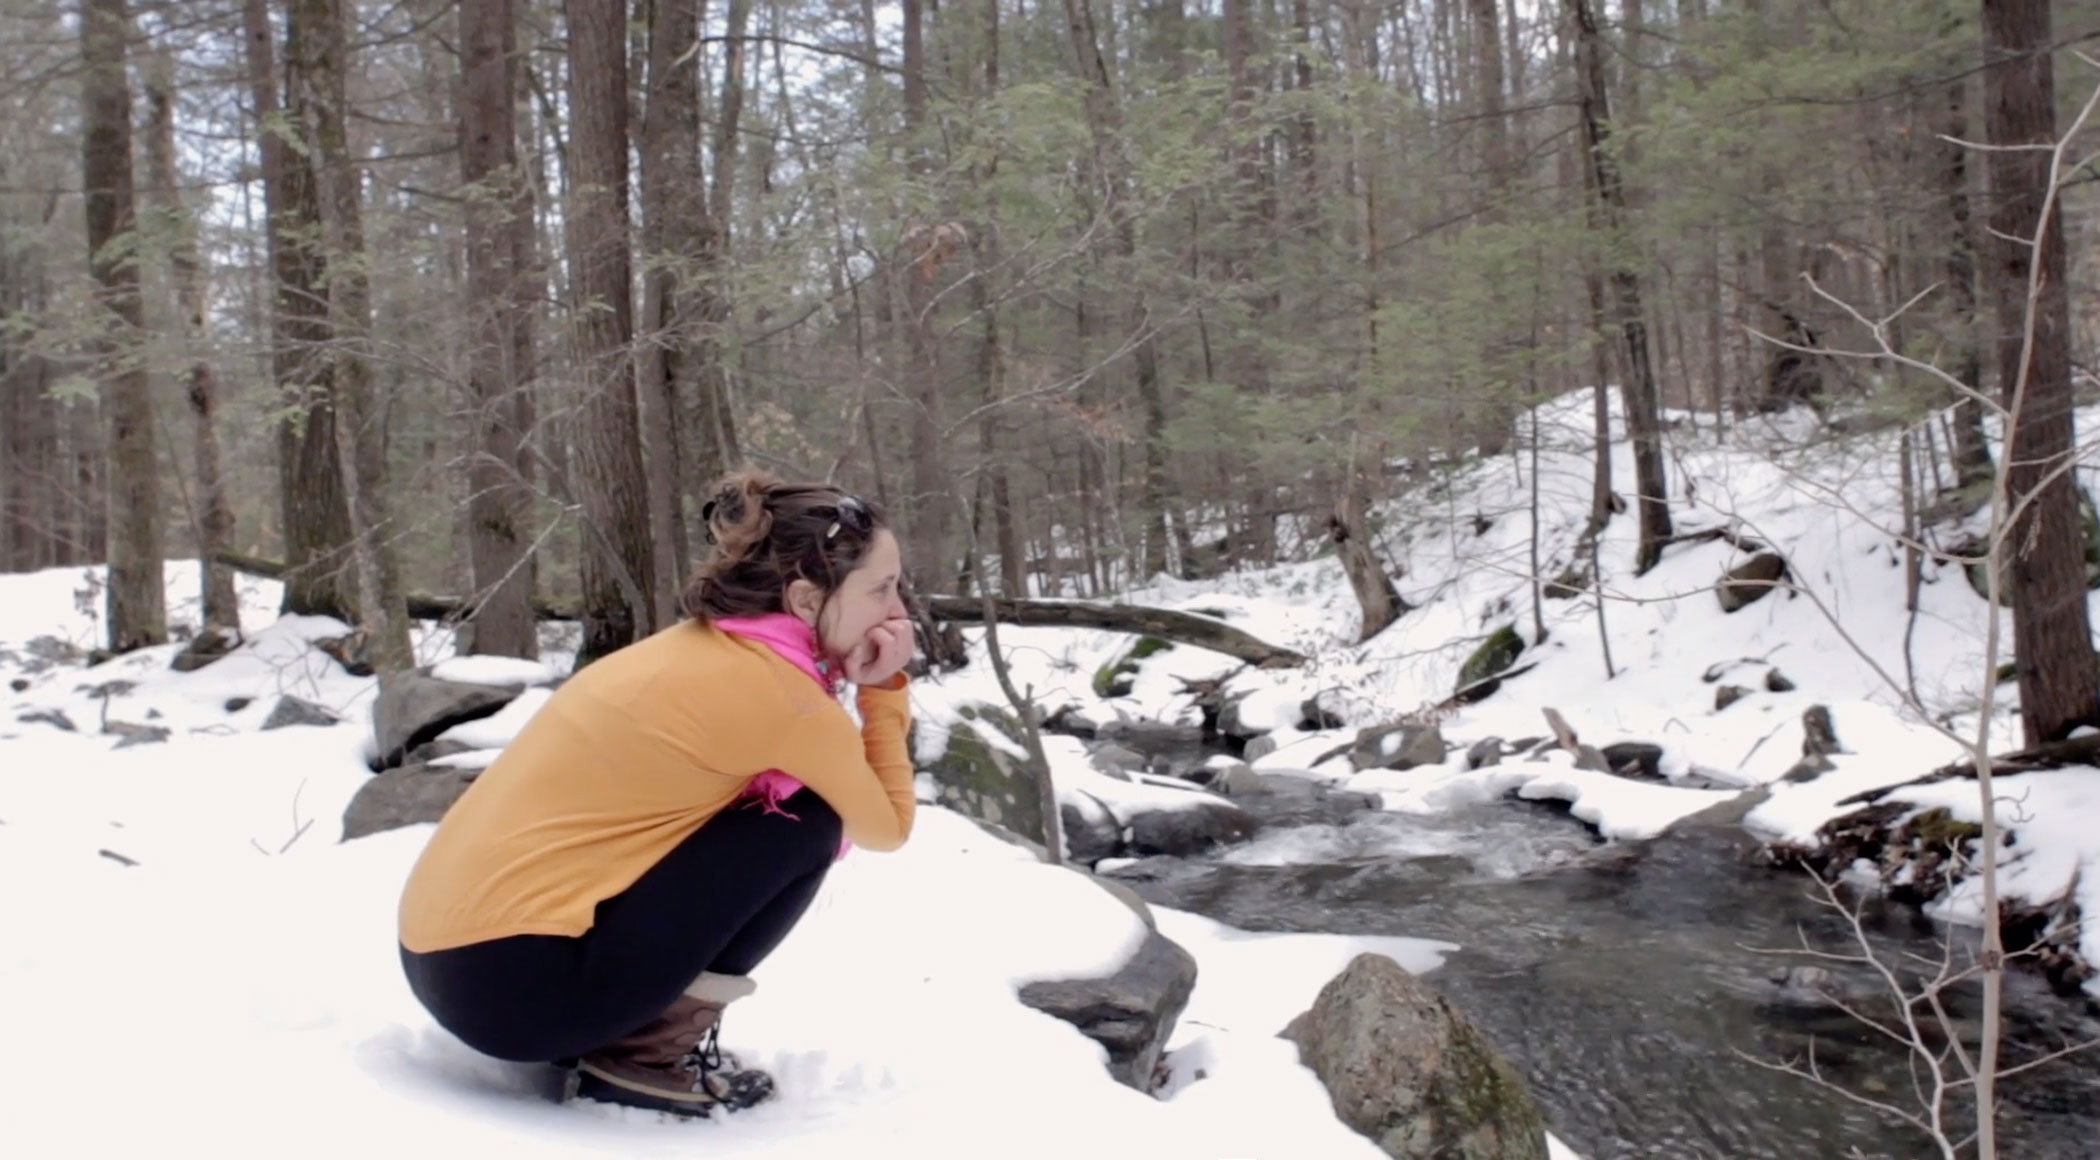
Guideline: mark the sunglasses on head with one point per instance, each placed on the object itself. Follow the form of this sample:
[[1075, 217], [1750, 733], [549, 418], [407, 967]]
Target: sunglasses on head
[[851, 514]]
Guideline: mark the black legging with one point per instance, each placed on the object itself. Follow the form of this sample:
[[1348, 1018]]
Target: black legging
[[720, 901]]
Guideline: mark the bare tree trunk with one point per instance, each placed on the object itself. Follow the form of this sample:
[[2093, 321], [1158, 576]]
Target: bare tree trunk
[[1494, 424], [321, 63], [674, 212], [1112, 180], [1375, 594], [718, 448], [1643, 420], [214, 515], [618, 561], [991, 360], [29, 522], [137, 608], [87, 481], [2052, 639], [498, 371], [314, 513], [930, 523], [1971, 451], [1257, 542]]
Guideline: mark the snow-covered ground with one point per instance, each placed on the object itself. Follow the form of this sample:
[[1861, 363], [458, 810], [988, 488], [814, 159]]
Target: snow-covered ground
[[193, 959], [185, 907]]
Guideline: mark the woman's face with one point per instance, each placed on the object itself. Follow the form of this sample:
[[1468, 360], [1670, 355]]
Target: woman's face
[[865, 598]]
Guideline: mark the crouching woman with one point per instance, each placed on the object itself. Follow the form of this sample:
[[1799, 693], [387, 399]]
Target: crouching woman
[[604, 889]]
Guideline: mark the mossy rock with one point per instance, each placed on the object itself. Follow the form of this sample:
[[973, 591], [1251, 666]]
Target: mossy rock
[[1407, 1070], [1940, 828], [1499, 651], [1118, 676], [979, 775]]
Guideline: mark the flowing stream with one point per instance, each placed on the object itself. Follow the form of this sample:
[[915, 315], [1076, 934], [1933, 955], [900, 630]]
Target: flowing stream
[[1626, 981]]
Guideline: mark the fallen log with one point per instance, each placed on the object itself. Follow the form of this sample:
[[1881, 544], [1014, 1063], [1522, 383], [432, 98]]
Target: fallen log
[[421, 606], [1179, 627], [2048, 755]]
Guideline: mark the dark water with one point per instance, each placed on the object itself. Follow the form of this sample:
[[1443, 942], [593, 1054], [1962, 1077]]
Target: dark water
[[1625, 980]]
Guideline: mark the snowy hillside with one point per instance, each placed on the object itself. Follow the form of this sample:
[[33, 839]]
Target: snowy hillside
[[1830, 507]]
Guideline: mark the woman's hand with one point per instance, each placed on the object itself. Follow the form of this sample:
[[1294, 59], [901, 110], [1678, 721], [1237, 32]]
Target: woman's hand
[[881, 654]]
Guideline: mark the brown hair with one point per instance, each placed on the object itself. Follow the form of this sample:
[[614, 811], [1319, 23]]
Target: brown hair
[[767, 534]]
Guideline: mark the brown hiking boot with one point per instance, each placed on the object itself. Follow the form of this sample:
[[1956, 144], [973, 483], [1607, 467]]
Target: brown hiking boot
[[673, 1063]]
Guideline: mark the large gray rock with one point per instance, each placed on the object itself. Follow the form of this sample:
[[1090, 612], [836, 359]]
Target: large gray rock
[[404, 796], [1413, 1075], [1750, 581], [1635, 758], [1131, 1012], [1237, 779], [56, 718], [1129, 898], [1091, 834], [1819, 740], [1184, 831], [1114, 759], [1320, 712], [1233, 724], [129, 734], [204, 648], [414, 707], [292, 711], [1402, 745], [979, 774]]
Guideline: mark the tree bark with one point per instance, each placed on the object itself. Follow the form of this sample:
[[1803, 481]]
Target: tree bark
[[313, 512], [33, 524], [618, 560], [1250, 213], [991, 357], [137, 603], [2052, 639], [82, 486], [498, 372], [930, 524], [1643, 418], [1494, 426], [1375, 595], [674, 214], [717, 448], [213, 513], [1971, 451], [320, 62], [29, 521]]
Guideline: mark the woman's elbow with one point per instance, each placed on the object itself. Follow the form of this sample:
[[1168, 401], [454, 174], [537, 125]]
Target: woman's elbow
[[882, 837]]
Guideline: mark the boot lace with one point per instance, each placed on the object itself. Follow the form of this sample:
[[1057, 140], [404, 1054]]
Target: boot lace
[[706, 1055]]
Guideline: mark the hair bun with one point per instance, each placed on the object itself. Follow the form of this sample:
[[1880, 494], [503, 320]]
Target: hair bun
[[736, 517]]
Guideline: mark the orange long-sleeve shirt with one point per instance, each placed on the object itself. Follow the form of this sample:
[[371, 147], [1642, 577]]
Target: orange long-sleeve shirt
[[627, 759]]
